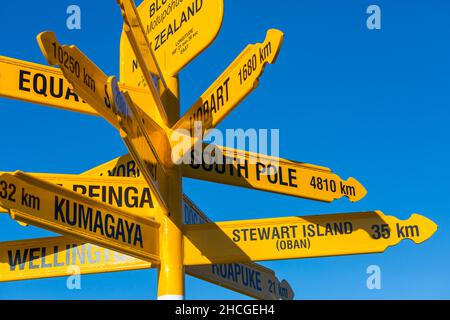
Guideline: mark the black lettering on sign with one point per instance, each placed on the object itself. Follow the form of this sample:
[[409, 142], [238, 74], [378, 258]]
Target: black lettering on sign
[[119, 196], [7, 191], [264, 233], [30, 201], [41, 84], [221, 165], [276, 174], [176, 24], [238, 273], [101, 223], [327, 229], [211, 105], [407, 231]]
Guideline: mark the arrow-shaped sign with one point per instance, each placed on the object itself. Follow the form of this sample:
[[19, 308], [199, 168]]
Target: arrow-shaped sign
[[300, 237], [43, 204], [257, 171]]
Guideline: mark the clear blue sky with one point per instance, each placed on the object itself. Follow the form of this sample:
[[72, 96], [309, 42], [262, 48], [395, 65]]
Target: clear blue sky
[[374, 105]]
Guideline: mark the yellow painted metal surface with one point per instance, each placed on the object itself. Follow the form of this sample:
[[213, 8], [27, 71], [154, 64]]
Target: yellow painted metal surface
[[301, 237], [235, 83], [135, 33], [178, 31], [86, 78], [57, 209], [257, 171], [53, 257]]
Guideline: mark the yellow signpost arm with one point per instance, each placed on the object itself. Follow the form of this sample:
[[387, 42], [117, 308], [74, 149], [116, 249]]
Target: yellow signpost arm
[[136, 35], [300, 237]]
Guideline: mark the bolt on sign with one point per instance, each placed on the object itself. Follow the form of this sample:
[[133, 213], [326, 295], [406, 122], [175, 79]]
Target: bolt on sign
[[267, 173], [126, 213]]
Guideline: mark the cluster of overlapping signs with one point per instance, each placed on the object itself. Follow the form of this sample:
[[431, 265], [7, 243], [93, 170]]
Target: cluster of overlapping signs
[[130, 213]]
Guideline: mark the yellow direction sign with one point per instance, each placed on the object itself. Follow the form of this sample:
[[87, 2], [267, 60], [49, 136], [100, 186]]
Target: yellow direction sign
[[177, 32], [56, 256], [43, 204], [235, 83], [131, 195], [141, 47], [261, 172], [300, 237], [86, 78], [47, 86]]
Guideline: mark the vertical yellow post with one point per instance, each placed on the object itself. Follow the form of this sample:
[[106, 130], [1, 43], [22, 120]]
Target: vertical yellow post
[[171, 271]]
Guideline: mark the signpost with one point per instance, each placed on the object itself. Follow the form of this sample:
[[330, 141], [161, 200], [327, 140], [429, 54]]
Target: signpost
[[39, 203], [131, 213], [300, 237]]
